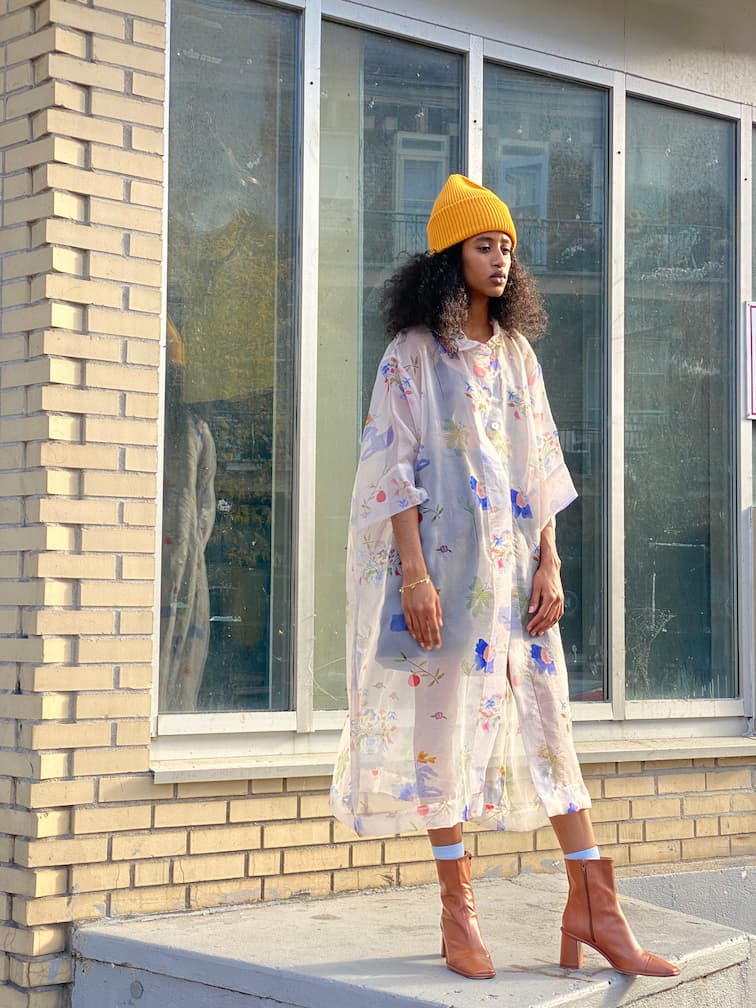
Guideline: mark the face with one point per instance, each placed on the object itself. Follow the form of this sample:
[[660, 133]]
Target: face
[[486, 261]]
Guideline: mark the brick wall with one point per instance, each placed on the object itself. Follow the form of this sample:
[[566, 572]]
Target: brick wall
[[84, 831]]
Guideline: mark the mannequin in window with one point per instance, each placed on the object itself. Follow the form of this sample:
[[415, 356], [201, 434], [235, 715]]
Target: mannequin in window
[[188, 517]]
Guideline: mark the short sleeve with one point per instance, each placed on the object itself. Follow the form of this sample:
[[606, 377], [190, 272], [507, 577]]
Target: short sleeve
[[552, 484], [385, 481]]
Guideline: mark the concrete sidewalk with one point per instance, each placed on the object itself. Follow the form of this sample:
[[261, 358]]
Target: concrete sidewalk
[[381, 950]]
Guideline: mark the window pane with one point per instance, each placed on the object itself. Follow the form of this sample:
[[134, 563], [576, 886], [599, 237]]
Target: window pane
[[545, 153], [679, 466], [225, 604], [389, 134]]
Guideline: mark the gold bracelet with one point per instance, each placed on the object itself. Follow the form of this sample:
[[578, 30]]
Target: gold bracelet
[[414, 584]]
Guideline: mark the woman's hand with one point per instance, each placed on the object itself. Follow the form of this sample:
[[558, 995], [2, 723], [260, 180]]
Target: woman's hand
[[546, 598], [422, 614]]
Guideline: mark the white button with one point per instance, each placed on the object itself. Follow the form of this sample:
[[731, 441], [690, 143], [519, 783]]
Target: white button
[[494, 425]]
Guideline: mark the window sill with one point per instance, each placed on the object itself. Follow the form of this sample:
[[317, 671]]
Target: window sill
[[321, 764]]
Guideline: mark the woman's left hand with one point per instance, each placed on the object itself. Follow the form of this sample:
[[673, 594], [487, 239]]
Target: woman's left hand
[[546, 599]]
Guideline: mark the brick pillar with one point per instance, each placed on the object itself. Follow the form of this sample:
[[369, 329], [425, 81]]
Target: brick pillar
[[81, 144]]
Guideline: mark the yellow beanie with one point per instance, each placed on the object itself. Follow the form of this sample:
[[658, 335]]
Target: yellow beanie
[[463, 209]]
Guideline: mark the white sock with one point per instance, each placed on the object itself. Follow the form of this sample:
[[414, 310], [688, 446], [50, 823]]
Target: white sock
[[589, 854], [452, 852]]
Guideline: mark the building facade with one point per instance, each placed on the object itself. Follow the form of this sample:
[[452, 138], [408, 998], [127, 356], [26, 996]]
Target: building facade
[[200, 203]]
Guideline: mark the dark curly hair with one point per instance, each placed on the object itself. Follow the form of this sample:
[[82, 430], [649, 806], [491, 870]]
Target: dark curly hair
[[430, 290]]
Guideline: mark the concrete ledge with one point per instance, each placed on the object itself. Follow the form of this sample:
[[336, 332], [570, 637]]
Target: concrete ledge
[[381, 949], [321, 764]]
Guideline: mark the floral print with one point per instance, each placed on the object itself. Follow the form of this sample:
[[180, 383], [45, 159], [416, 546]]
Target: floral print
[[478, 729]]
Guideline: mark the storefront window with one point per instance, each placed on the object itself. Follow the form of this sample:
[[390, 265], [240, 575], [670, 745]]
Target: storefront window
[[225, 635], [390, 129], [545, 153], [679, 388]]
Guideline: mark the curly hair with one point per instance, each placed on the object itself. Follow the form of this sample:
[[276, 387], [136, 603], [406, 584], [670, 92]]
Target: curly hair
[[430, 290]]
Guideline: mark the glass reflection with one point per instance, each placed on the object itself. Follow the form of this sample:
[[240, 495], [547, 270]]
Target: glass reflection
[[389, 135], [225, 601], [679, 474], [545, 153]]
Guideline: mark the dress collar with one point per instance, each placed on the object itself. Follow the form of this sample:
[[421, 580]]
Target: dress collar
[[496, 340]]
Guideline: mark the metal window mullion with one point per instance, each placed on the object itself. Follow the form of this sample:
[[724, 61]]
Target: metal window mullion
[[615, 357], [307, 269], [474, 110], [744, 428]]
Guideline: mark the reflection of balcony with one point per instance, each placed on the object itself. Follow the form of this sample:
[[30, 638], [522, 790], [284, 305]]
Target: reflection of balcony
[[544, 245]]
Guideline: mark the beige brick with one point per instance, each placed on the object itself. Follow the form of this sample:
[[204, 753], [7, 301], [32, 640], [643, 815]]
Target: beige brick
[[120, 376], [630, 832], [139, 513], [225, 893], [45, 853], [651, 808], [742, 845], [120, 593], [61, 67], [90, 183], [610, 811], [706, 804], [17, 185], [707, 827], [705, 847], [414, 873], [542, 862], [166, 843], [130, 788], [60, 565], [148, 194], [124, 54], [84, 236], [15, 132], [148, 140], [142, 351], [67, 622], [263, 809], [197, 869], [73, 456], [45, 794], [127, 270], [80, 126], [147, 166], [148, 86], [138, 405], [38, 942], [100, 877], [315, 859], [73, 400], [103, 484], [62, 677], [125, 109], [411, 848], [117, 431], [660, 852], [56, 285], [113, 705], [153, 9], [729, 780], [669, 829], [143, 246], [308, 884], [137, 568], [19, 76], [297, 834], [743, 823], [621, 787], [742, 802], [152, 873], [51, 39], [132, 540], [140, 460], [111, 819], [215, 840], [64, 735], [212, 789], [267, 862], [133, 733], [33, 882], [148, 900], [190, 813], [104, 649], [86, 19], [136, 676], [135, 621], [125, 323], [368, 853], [681, 783], [313, 806], [14, 25], [363, 879], [61, 510], [116, 761], [56, 909]]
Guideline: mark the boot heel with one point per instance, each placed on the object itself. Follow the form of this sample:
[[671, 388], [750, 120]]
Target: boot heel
[[443, 947], [571, 953]]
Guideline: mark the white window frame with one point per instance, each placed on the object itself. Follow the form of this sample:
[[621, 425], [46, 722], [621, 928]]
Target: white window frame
[[207, 745]]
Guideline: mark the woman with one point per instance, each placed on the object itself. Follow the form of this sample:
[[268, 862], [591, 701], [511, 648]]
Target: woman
[[458, 686]]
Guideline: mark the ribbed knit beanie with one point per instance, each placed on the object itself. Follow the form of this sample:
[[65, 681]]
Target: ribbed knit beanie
[[463, 209]]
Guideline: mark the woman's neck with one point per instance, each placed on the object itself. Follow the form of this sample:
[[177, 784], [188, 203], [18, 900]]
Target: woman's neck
[[478, 324]]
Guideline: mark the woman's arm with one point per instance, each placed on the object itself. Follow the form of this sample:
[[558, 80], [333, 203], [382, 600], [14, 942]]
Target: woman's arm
[[420, 604], [547, 595]]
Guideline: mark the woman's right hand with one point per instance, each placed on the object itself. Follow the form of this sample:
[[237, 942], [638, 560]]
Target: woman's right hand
[[422, 614]]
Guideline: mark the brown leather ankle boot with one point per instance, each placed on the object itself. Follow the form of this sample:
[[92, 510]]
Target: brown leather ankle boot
[[593, 917], [461, 942]]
